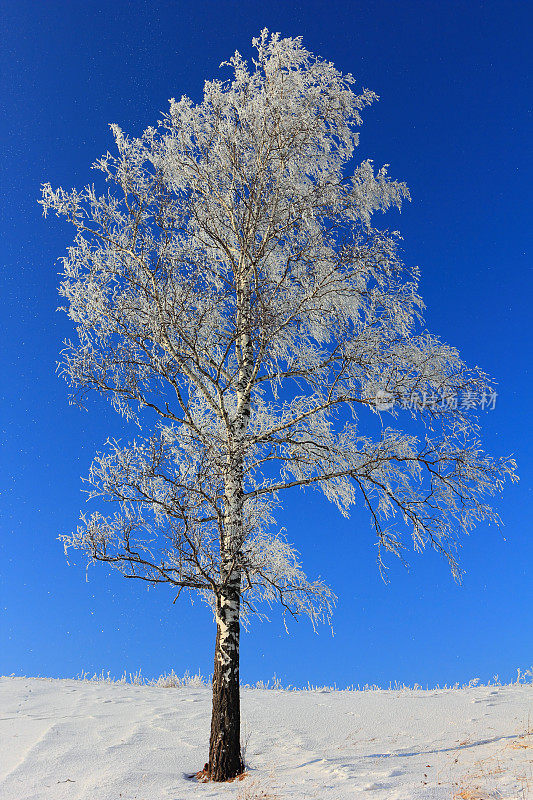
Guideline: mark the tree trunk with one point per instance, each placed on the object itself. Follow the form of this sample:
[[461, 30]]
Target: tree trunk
[[225, 759]]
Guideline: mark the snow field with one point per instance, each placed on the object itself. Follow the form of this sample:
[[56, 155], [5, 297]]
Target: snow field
[[77, 740]]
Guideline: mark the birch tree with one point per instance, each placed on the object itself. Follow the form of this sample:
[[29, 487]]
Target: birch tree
[[234, 301]]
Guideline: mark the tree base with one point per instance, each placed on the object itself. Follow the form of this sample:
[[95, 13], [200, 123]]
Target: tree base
[[203, 776]]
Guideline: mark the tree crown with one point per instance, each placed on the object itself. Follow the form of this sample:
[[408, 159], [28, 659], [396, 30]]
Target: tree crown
[[230, 281]]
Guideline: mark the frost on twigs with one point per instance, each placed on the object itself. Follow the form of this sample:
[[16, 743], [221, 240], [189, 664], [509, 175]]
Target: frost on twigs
[[233, 298]]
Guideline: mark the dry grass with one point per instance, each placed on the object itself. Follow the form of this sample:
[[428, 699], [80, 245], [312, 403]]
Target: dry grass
[[472, 794], [522, 742], [255, 790], [494, 776]]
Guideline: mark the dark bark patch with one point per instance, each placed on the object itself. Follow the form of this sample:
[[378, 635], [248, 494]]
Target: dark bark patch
[[203, 776]]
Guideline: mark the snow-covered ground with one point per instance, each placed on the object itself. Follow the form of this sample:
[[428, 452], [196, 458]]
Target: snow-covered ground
[[101, 741]]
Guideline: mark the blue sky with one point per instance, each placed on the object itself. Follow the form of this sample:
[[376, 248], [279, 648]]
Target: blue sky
[[454, 122]]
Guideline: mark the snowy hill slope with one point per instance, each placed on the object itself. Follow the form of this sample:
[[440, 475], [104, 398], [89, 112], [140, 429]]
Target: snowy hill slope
[[75, 740]]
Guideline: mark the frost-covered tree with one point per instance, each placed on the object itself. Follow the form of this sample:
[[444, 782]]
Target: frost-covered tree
[[233, 299]]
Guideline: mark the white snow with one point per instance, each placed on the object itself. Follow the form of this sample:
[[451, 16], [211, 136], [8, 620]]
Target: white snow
[[102, 741]]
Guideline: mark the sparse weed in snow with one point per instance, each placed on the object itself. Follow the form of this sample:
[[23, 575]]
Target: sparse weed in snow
[[171, 680], [254, 790], [168, 680], [488, 778]]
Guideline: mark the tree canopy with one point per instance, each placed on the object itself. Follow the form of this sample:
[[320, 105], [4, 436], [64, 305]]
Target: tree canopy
[[233, 298]]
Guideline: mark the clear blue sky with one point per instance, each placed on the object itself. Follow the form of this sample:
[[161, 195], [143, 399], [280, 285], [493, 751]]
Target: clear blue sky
[[454, 122]]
